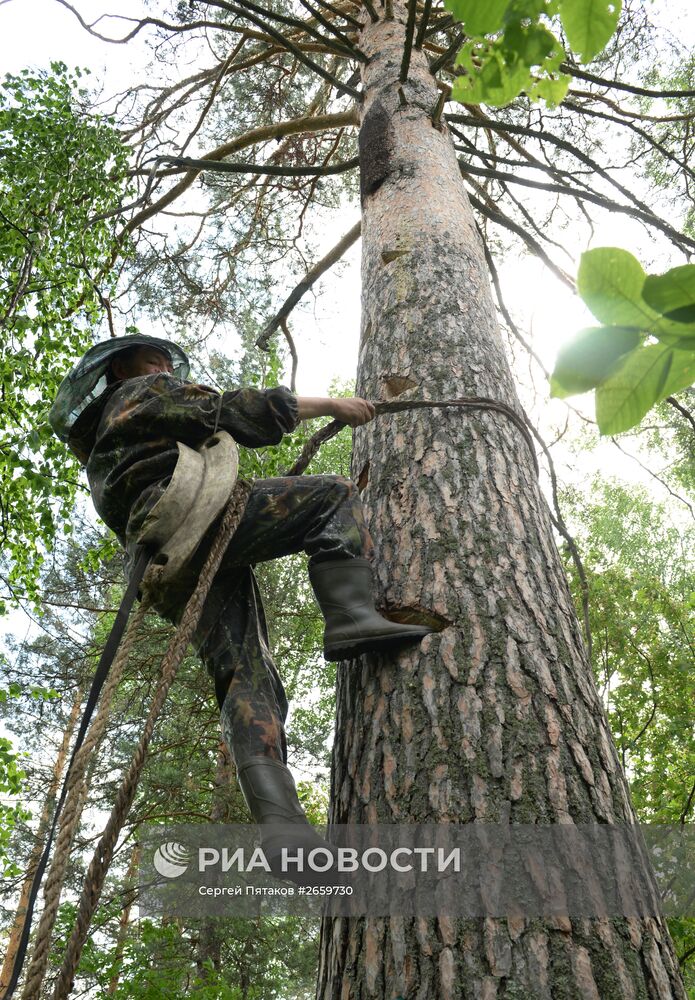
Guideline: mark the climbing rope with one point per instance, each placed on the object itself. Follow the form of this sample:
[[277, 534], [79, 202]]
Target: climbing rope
[[398, 406], [74, 787]]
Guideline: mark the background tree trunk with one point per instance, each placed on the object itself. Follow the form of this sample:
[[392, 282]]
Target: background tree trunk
[[130, 895], [495, 718], [37, 850], [211, 933]]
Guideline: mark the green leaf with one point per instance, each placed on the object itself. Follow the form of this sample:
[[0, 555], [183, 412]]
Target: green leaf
[[589, 358], [672, 293], [551, 90], [589, 24], [644, 377], [495, 83], [681, 374], [529, 10], [610, 281], [682, 341], [531, 45], [479, 18]]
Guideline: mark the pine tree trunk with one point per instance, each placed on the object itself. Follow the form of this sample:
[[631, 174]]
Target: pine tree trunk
[[211, 932], [495, 718], [37, 850], [130, 895]]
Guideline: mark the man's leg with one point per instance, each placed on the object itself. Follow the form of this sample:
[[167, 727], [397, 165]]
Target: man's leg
[[232, 641], [319, 515], [323, 516]]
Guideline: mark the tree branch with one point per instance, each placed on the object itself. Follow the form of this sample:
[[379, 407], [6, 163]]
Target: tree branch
[[275, 170], [591, 95], [681, 409], [502, 220], [642, 133], [585, 195], [627, 87], [247, 11], [345, 41], [422, 29], [408, 42], [295, 126], [217, 83], [305, 284], [502, 127], [444, 58], [339, 13], [646, 468]]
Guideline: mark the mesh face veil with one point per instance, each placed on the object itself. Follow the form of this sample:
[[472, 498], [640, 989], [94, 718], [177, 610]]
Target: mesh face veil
[[87, 380]]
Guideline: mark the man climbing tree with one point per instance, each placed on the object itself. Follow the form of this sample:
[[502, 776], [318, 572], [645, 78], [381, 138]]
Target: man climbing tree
[[123, 410]]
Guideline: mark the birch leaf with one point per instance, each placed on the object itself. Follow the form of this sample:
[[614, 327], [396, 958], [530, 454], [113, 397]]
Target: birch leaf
[[589, 24]]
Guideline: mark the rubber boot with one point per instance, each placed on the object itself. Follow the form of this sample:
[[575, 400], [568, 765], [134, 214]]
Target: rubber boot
[[344, 590], [271, 795]]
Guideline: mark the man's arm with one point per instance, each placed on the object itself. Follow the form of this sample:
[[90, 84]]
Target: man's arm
[[353, 411]]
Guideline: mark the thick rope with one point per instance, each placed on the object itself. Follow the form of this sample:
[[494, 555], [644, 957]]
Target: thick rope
[[398, 406], [76, 795], [96, 874]]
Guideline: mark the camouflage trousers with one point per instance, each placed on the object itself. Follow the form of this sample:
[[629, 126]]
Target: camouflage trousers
[[319, 515]]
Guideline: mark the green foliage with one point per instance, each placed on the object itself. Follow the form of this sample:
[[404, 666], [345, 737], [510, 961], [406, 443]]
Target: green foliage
[[513, 46], [646, 350], [659, 162], [642, 615], [61, 167], [11, 783], [11, 777], [671, 436], [265, 959]]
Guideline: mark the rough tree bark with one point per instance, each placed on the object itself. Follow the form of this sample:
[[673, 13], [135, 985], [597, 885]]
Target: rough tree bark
[[497, 717]]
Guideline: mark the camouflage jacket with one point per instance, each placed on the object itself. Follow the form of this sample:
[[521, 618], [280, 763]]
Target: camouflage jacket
[[128, 440]]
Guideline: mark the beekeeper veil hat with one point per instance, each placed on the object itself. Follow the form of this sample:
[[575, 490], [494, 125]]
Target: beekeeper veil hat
[[89, 378]]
